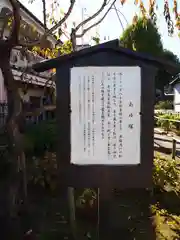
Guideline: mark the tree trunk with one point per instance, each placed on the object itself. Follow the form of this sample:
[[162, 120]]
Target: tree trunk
[[11, 183]]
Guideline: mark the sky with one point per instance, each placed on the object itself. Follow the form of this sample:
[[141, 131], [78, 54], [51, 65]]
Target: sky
[[110, 28]]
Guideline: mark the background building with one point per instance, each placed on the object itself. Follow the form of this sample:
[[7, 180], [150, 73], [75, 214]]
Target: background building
[[31, 29]]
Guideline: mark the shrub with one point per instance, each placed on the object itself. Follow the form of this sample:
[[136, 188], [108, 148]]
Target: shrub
[[40, 138], [86, 204], [88, 197], [164, 105], [176, 124], [166, 173], [165, 122], [43, 171], [168, 122]]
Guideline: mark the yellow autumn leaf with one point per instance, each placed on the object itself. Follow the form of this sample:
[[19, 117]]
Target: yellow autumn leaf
[[133, 46], [135, 19], [122, 1], [62, 11], [136, 2]]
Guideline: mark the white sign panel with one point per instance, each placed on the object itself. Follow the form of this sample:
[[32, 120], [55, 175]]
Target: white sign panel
[[105, 115]]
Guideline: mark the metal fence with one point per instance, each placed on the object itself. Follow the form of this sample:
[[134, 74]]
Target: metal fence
[[46, 115]]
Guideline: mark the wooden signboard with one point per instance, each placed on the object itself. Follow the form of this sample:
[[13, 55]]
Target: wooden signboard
[[105, 107], [105, 115]]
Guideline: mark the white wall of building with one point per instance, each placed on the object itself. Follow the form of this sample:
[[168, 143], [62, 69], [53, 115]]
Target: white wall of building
[[177, 97], [36, 92], [3, 96], [31, 93], [27, 18], [18, 60]]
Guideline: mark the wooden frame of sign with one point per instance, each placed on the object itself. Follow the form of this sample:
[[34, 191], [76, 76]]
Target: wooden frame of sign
[[130, 174]]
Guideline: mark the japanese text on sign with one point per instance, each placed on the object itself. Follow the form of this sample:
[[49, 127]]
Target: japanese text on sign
[[105, 115]]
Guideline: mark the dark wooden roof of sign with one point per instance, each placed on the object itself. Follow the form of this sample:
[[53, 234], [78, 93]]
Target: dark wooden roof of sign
[[113, 45]]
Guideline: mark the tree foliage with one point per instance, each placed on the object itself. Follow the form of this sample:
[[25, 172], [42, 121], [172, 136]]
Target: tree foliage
[[149, 11], [170, 56], [144, 37]]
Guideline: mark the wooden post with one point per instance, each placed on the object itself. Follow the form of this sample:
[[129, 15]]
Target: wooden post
[[72, 212], [105, 199], [104, 207], [174, 148]]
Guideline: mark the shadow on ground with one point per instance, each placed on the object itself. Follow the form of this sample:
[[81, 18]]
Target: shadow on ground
[[131, 216], [162, 149], [127, 216]]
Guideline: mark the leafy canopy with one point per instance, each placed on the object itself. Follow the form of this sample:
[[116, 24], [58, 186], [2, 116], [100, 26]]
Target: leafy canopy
[[143, 37], [148, 9]]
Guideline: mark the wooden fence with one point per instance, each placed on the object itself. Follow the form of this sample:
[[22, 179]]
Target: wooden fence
[[175, 139], [169, 112]]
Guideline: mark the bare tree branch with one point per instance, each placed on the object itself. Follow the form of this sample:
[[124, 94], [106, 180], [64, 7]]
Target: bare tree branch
[[14, 35], [38, 111], [118, 16], [5, 19], [73, 39], [29, 44], [51, 30], [74, 34], [3, 27], [44, 13], [92, 17], [96, 23], [121, 14]]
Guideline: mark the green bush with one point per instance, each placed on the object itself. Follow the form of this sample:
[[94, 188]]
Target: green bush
[[166, 174], [164, 105], [165, 122], [88, 197], [168, 122], [41, 137], [43, 171]]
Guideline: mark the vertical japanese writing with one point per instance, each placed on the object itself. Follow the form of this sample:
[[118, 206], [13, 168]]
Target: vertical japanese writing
[[130, 125], [84, 110], [93, 112], [80, 92], [120, 142], [105, 120], [89, 115], [102, 106], [109, 113], [114, 116]]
